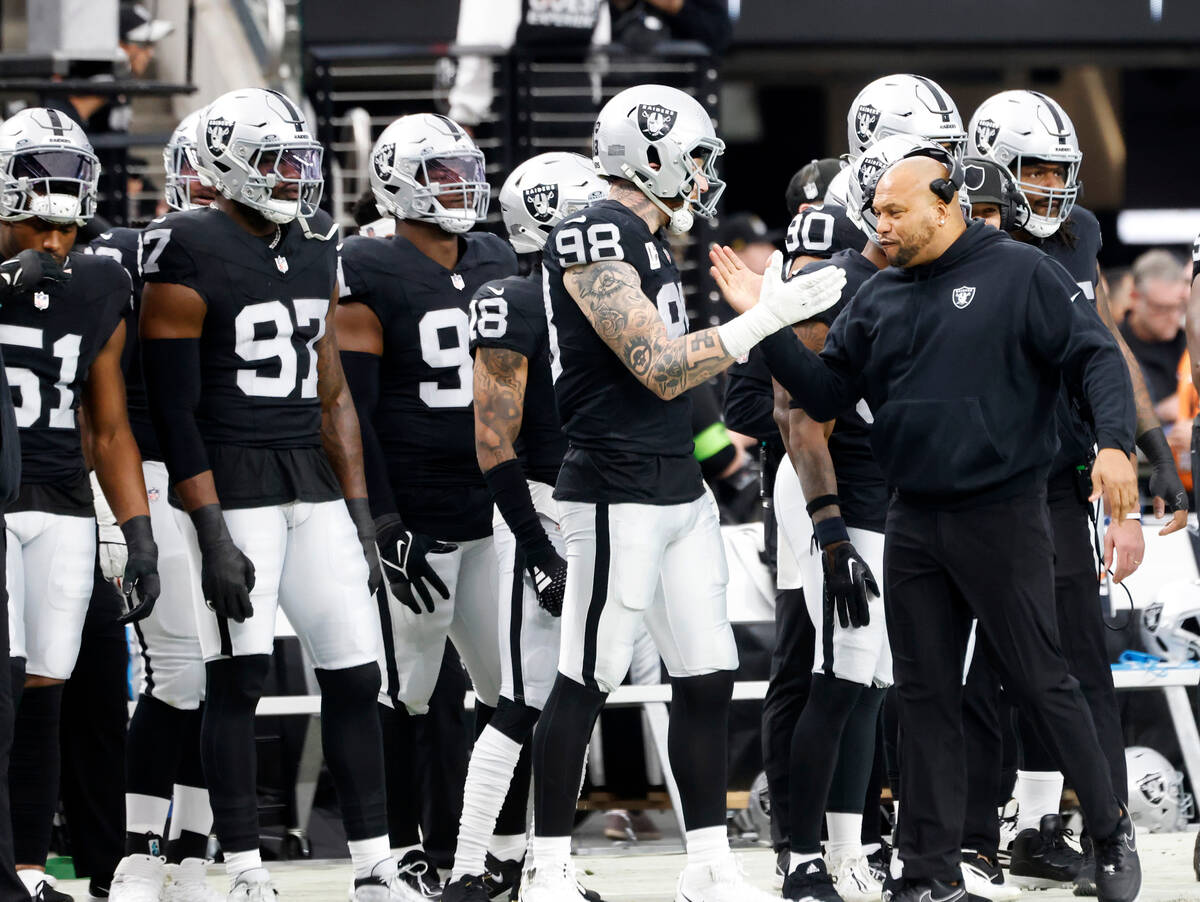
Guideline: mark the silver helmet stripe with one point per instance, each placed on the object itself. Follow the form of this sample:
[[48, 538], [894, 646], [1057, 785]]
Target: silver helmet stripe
[[944, 105]]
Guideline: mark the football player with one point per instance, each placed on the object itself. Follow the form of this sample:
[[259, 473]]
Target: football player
[[62, 328], [163, 773], [1032, 136], [403, 326], [261, 442], [994, 195], [519, 444], [641, 531]]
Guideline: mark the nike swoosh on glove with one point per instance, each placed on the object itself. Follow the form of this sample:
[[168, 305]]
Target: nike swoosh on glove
[[360, 513], [549, 575], [405, 567], [140, 582], [848, 579], [798, 298], [30, 269]]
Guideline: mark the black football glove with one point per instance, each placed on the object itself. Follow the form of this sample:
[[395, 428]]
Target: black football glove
[[140, 582], [402, 554], [848, 579], [360, 513], [1164, 477], [548, 571], [30, 270], [226, 575]]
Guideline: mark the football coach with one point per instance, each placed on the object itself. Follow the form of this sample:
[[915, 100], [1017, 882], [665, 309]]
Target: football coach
[[960, 348]]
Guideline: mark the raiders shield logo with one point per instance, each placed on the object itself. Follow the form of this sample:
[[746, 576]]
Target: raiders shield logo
[[985, 135], [963, 296], [655, 121], [868, 173], [541, 201], [1153, 788], [1152, 615], [865, 121], [216, 136], [383, 159]]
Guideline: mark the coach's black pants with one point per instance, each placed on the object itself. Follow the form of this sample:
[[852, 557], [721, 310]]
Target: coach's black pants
[[791, 678], [941, 568]]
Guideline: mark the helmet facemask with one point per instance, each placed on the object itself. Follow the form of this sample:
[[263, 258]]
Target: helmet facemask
[[285, 181], [53, 183], [450, 190], [1059, 202], [183, 185], [705, 149]]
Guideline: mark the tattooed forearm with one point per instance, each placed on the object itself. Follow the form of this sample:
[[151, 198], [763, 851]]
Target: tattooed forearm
[[610, 296], [1147, 419], [500, 377]]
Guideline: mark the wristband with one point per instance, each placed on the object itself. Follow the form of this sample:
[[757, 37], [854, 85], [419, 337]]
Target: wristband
[[822, 501], [1133, 515], [510, 491], [830, 531], [743, 332], [1153, 443]]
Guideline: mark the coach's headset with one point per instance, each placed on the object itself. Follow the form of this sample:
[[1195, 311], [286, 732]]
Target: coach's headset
[[945, 189]]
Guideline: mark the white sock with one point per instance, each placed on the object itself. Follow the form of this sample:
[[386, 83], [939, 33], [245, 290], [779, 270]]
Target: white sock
[[367, 854], [145, 814], [489, 775], [707, 845], [795, 859], [508, 848], [845, 836], [1038, 792], [240, 862], [871, 848], [548, 851], [191, 811]]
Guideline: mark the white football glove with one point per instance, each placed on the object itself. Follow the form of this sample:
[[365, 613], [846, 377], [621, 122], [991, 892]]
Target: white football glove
[[782, 303], [113, 554]]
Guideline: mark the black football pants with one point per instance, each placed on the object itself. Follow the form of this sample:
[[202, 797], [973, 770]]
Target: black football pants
[[941, 568], [1080, 618], [11, 887]]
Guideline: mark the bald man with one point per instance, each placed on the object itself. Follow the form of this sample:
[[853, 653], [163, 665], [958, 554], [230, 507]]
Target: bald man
[[959, 349]]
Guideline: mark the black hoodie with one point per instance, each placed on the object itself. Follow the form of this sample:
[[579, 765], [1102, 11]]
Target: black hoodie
[[961, 360]]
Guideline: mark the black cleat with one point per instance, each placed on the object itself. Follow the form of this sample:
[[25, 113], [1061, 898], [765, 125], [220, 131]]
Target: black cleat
[[419, 872], [1118, 869], [1085, 883], [1042, 859], [810, 882], [502, 879], [880, 862], [928, 891], [465, 889]]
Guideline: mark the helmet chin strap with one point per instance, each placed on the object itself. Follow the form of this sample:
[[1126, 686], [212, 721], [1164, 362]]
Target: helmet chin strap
[[679, 221]]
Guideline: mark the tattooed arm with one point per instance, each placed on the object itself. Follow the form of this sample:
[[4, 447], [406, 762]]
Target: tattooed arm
[[610, 295], [1147, 419], [500, 377]]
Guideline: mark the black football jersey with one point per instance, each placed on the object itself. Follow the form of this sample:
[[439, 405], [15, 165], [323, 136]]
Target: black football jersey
[[860, 483], [424, 420], [259, 411], [1076, 245], [122, 245], [625, 443], [50, 339], [511, 313]]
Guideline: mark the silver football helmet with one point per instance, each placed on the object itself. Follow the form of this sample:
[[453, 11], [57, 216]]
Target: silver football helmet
[[427, 168], [183, 188], [48, 167], [1017, 127], [1171, 624], [663, 141], [903, 105], [543, 191], [1157, 802], [865, 172], [254, 146]]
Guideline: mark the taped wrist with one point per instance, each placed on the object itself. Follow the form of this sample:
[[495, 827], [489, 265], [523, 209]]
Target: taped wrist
[[360, 513], [1153, 443], [171, 367], [743, 332], [829, 531], [510, 491], [210, 526], [137, 532]]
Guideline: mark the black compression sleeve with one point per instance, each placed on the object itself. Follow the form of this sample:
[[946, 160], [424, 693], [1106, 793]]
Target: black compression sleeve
[[510, 491], [171, 368], [362, 375]]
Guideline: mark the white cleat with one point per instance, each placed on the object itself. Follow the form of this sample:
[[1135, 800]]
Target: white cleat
[[389, 888], [723, 881], [555, 883], [253, 885], [854, 881], [139, 878], [978, 882], [188, 882]]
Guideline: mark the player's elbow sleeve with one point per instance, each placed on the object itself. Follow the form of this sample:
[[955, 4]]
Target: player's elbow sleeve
[[172, 372]]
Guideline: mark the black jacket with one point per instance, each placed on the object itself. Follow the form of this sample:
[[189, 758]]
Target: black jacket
[[961, 361]]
